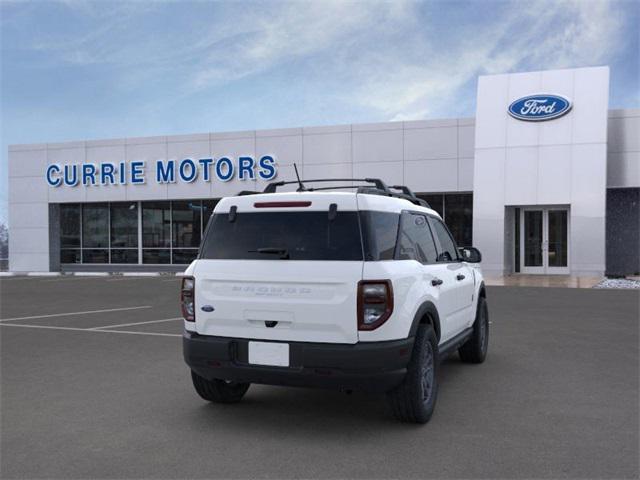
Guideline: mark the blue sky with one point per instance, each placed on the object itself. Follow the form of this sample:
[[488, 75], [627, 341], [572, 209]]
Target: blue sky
[[74, 70]]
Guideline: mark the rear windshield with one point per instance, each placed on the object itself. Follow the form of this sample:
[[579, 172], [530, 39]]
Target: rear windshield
[[283, 236]]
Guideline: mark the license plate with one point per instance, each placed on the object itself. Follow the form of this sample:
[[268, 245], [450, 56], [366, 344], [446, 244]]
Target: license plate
[[269, 353]]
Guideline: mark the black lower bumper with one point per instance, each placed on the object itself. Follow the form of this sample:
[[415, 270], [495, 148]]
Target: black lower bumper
[[371, 366]]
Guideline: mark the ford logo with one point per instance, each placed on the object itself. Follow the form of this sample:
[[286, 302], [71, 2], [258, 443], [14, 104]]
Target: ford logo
[[536, 108]]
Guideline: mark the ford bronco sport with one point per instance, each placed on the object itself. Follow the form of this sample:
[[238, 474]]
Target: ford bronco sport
[[325, 287]]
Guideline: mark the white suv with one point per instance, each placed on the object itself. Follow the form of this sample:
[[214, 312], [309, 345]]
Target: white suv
[[323, 287]]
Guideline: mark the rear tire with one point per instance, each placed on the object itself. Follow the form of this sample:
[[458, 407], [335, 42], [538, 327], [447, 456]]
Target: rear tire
[[475, 349], [219, 391], [414, 400]]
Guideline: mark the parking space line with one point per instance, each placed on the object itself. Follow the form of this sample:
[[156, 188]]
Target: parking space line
[[75, 313], [20, 279], [75, 329], [135, 323], [126, 279], [73, 279]]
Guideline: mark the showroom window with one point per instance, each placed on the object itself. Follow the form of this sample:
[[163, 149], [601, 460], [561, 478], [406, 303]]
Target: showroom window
[[70, 234], [95, 233], [133, 232], [156, 232], [456, 209], [186, 232], [124, 232]]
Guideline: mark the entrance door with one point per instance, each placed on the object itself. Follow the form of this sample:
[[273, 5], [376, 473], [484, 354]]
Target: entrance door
[[544, 240]]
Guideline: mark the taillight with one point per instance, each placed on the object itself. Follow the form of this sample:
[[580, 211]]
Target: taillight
[[187, 298], [375, 303]]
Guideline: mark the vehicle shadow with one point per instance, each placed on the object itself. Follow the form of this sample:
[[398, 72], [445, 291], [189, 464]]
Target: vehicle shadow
[[302, 410]]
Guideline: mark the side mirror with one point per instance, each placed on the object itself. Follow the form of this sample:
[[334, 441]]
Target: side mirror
[[470, 254]]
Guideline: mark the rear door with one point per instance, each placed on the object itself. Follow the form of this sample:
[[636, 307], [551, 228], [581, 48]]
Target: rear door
[[460, 276], [416, 242], [281, 267]]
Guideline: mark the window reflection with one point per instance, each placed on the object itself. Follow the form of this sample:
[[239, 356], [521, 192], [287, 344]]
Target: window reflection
[[186, 223], [95, 225], [124, 225], [456, 209], [156, 224], [108, 232]]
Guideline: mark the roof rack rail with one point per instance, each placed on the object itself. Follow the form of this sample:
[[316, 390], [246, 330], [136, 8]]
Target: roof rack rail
[[379, 184], [376, 187], [408, 192], [243, 193]]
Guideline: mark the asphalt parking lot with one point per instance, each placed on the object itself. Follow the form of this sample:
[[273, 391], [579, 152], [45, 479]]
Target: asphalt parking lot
[[93, 385]]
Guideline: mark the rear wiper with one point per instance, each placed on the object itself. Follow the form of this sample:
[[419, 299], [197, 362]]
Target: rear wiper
[[283, 252]]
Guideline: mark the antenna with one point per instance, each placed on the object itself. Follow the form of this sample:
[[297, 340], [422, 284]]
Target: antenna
[[301, 187]]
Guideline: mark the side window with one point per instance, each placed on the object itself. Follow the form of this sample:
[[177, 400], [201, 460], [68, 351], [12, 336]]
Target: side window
[[379, 232], [448, 251], [415, 241]]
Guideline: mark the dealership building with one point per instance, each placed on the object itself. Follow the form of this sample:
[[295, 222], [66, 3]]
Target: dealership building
[[544, 180]]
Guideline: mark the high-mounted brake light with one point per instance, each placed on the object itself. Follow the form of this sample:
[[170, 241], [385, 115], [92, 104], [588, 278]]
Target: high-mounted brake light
[[375, 303], [187, 298], [281, 204]]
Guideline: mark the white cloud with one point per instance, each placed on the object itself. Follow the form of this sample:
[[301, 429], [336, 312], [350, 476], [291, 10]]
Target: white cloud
[[389, 57], [528, 36], [294, 31]]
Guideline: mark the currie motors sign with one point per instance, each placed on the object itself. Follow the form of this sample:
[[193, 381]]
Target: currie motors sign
[[540, 107], [187, 170]]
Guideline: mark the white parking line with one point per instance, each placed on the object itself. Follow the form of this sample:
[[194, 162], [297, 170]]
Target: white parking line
[[23, 278], [48, 327], [136, 323], [72, 278], [75, 313]]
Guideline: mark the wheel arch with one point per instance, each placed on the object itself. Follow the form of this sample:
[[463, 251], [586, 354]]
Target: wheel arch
[[482, 291], [427, 314]]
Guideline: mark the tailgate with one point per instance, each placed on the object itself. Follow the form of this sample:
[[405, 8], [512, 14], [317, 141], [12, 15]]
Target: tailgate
[[307, 301]]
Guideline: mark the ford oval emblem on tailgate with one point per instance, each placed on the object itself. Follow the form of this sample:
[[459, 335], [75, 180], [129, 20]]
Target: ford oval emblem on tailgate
[[207, 308]]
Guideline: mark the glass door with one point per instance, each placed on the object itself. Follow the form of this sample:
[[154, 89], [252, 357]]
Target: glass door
[[557, 223], [544, 240], [532, 249]]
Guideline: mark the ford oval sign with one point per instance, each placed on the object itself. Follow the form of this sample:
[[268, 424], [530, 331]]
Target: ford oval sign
[[536, 108]]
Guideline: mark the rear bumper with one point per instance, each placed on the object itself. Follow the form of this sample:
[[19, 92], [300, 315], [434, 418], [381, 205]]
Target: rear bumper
[[371, 366]]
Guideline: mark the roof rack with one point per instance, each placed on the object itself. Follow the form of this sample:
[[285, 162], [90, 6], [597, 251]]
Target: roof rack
[[376, 187], [412, 197], [379, 184]]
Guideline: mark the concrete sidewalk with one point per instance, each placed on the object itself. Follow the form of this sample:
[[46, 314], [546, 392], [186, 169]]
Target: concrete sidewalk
[[557, 281]]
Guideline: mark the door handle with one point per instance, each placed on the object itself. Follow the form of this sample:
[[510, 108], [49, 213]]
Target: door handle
[[460, 277], [436, 281]]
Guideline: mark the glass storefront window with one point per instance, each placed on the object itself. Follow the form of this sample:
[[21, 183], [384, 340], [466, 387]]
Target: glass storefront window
[[186, 224], [458, 212], [68, 255], [69, 226], [95, 225], [124, 225], [156, 224], [456, 209], [108, 232], [156, 256], [90, 255], [435, 201], [184, 255], [127, 255]]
